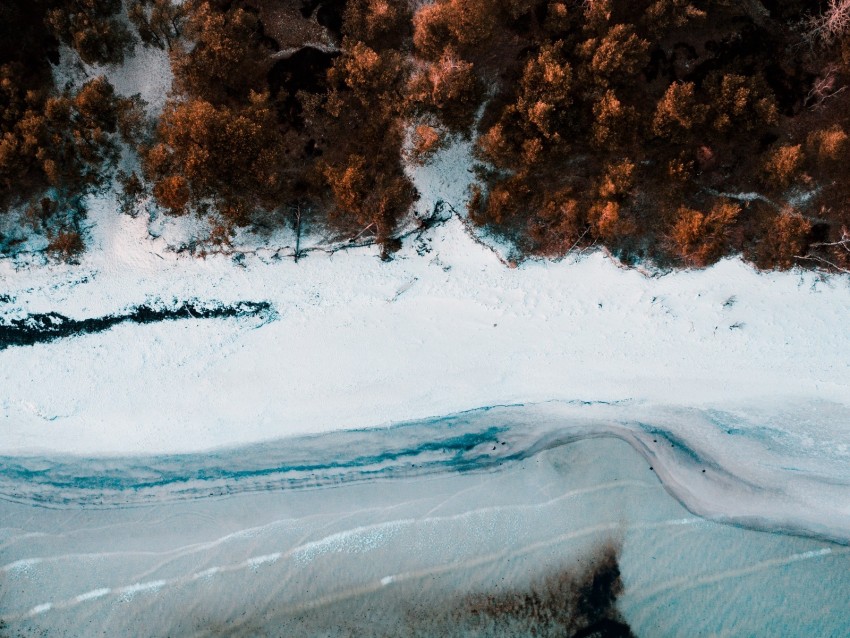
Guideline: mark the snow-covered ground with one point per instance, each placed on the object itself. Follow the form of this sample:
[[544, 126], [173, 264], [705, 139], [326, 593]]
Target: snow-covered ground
[[443, 328], [359, 343]]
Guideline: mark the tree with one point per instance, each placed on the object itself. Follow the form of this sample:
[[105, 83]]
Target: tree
[[66, 244], [614, 122], [494, 147], [375, 78], [368, 197], [597, 14], [465, 24], [158, 22], [92, 28], [506, 203], [608, 215], [698, 238], [230, 156], [378, 23], [559, 225], [831, 25], [557, 18], [617, 180], [361, 119], [545, 91], [54, 150], [740, 103], [678, 112], [448, 88], [424, 144], [228, 58], [664, 15], [783, 165], [620, 54], [785, 240], [828, 145], [63, 142], [608, 221]]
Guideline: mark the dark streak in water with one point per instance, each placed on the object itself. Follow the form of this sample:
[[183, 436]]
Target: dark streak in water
[[453, 444], [47, 327], [480, 440]]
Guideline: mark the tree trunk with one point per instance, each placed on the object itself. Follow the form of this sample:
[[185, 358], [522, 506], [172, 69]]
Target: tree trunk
[[297, 232]]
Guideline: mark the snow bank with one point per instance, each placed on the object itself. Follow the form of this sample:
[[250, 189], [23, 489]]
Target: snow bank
[[442, 328]]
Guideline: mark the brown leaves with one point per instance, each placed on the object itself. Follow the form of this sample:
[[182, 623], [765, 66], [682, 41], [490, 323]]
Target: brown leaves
[[462, 23], [559, 225], [173, 193], [206, 151], [664, 15], [66, 245], [545, 90], [619, 54], [678, 112], [785, 239], [783, 165], [448, 88], [740, 103], [227, 58], [64, 141], [701, 238], [93, 29], [617, 180], [374, 77], [829, 145], [366, 197], [425, 142], [379, 23], [494, 147], [614, 122]]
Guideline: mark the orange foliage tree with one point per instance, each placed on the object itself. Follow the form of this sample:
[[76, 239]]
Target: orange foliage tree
[[231, 157], [701, 238]]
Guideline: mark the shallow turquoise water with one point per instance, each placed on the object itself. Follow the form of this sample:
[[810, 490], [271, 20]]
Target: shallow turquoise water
[[398, 554]]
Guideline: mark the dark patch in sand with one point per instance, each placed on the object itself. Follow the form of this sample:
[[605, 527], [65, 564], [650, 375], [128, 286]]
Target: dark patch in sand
[[576, 603], [570, 602]]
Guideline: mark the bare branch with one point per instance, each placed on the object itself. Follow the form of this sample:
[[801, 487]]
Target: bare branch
[[823, 261], [832, 24]]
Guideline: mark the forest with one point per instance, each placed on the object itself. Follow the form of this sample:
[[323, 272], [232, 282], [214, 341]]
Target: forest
[[671, 131]]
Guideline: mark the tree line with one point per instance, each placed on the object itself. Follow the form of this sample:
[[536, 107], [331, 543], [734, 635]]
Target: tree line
[[673, 130]]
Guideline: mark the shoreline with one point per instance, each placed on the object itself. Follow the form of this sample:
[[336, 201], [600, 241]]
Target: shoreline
[[345, 559], [688, 450]]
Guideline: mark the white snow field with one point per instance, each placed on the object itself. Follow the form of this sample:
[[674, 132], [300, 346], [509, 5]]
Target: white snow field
[[359, 343], [731, 384]]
